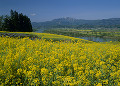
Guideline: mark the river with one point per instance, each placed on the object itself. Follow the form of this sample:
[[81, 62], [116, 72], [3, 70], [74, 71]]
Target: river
[[99, 39], [95, 39]]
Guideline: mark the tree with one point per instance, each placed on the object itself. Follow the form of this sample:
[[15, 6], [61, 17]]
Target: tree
[[1, 22], [17, 22]]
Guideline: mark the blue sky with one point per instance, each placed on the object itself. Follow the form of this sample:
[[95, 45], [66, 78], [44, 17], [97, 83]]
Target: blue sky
[[45, 10]]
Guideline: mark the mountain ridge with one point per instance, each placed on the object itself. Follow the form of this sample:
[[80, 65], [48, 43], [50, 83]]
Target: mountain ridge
[[68, 21]]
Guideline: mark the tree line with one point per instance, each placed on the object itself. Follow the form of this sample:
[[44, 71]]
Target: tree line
[[16, 22]]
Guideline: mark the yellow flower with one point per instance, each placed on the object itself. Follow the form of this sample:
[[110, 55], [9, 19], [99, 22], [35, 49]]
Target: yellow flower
[[98, 74], [35, 80], [99, 84], [44, 71], [118, 84], [19, 71], [105, 81]]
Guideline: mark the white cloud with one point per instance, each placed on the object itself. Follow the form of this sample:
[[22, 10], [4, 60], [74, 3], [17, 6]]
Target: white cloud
[[33, 14]]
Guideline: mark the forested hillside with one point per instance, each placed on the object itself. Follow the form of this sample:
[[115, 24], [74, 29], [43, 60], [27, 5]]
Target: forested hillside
[[78, 23]]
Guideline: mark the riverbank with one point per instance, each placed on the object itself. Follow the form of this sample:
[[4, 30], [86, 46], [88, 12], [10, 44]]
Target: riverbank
[[55, 37], [106, 34], [46, 36]]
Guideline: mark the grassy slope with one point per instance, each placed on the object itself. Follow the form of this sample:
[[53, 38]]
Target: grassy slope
[[48, 36]]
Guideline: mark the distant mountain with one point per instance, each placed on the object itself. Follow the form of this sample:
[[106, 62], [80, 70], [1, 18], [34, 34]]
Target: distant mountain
[[77, 23]]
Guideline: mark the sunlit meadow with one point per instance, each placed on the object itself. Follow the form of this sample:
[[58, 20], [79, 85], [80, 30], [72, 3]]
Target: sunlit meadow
[[26, 62]]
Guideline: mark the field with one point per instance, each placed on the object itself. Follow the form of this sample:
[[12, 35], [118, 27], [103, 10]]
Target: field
[[57, 60], [107, 33]]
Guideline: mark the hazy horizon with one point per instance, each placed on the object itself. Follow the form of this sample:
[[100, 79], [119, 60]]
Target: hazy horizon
[[73, 18], [46, 10]]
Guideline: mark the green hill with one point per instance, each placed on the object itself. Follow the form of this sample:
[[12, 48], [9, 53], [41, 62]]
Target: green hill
[[78, 23]]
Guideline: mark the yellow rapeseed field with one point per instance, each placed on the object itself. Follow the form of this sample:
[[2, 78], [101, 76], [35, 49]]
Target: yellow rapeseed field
[[39, 62]]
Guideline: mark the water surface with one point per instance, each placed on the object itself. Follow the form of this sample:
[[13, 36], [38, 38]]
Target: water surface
[[99, 39], [95, 39]]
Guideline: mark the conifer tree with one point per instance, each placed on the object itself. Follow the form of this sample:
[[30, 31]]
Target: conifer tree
[[1, 22], [17, 22]]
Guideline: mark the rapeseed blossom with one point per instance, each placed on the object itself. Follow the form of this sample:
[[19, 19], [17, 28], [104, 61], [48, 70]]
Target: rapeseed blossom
[[40, 62]]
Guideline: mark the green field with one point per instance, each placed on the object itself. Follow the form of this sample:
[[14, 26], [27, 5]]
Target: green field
[[80, 33]]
